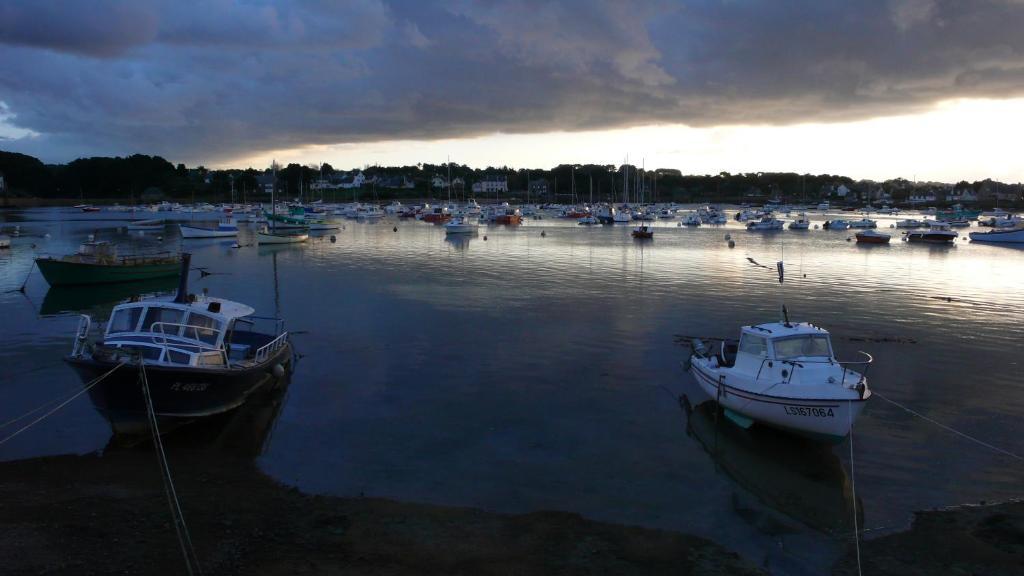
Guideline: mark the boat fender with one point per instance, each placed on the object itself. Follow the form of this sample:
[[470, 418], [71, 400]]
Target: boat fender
[[543, 233], [278, 371], [395, 229], [728, 236], [333, 238], [732, 243]]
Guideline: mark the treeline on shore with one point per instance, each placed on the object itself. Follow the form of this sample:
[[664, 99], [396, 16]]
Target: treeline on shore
[[142, 178]]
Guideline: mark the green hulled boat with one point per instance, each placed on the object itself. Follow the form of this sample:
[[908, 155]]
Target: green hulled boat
[[98, 263]]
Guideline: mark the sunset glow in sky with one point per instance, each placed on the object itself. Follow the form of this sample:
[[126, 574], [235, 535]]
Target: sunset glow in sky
[[874, 89]]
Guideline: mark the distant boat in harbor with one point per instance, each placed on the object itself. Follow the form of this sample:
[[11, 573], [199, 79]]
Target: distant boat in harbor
[[872, 237], [937, 233], [225, 229], [1001, 236], [97, 262], [643, 232], [146, 225]]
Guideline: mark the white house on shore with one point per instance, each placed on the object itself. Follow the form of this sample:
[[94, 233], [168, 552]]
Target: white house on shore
[[967, 195], [353, 180], [491, 184], [922, 198]]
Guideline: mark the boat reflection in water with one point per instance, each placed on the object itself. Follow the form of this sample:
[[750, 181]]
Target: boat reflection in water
[[459, 241], [798, 477], [244, 432], [100, 299]]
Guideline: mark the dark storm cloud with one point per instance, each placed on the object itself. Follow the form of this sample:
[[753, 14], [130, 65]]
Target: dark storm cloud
[[219, 79]]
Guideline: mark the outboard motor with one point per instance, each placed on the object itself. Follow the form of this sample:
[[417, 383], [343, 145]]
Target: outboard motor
[[698, 347]]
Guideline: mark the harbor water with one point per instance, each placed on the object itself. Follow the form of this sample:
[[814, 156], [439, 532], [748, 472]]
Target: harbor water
[[517, 371]]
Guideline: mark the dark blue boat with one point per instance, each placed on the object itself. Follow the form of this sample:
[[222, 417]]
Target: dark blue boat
[[201, 356]]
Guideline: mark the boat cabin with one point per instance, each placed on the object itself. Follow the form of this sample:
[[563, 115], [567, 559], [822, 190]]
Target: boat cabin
[[194, 333], [766, 345]]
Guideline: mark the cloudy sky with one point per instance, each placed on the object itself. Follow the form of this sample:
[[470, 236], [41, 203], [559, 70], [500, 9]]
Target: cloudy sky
[[932, 89]]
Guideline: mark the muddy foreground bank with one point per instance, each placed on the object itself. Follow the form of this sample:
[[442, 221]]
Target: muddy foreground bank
[[108, 515]]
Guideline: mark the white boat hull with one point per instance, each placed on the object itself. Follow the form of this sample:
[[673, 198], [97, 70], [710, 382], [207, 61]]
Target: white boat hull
[[189, 232], [999, 236], [819, 418], [462, 229], [264, 238]]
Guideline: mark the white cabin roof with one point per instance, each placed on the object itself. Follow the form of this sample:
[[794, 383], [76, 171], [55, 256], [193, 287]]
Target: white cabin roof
[[229, 310], [780, 330]]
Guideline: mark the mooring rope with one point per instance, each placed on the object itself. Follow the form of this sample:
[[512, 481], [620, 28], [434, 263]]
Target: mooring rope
[[84, 389], [180, 528], [950, 428], [853, 487]]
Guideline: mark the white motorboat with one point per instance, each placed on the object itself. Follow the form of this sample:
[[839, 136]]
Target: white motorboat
[[863, 223], [225, 229], [369, 213], [910, 223], [1000, 235], [271, 238], [690, 219], [666, 214], [784, 375], [394, 208], [622, 217], [765, 223], [801, 223], [462, 225], [588, 220], [835, 225], [959, 222], [143, 225]]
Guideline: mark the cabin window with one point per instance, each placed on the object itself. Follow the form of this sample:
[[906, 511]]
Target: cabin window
[[802, 346], [165, 315], [203, 328], [755, 345], [176, 357], [125, 320]]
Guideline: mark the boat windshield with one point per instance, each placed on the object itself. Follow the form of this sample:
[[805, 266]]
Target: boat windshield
[[125, 320], [802, 346]]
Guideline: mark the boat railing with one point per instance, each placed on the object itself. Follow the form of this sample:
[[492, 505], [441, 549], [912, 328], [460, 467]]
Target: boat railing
[[263, 352], [183, 340], [848, 366], [81, 335]]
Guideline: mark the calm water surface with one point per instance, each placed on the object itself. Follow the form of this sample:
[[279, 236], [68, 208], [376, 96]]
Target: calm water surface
[[521, 372]]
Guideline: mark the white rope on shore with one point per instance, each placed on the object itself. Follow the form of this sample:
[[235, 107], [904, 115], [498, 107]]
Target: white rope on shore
[[180, 528], [84, 389], [950, 428]]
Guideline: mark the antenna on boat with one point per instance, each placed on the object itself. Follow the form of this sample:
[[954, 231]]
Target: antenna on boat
[[182, 296]]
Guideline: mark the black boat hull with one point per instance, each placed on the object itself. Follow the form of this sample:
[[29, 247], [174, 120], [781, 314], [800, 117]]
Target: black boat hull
[[178, 394]]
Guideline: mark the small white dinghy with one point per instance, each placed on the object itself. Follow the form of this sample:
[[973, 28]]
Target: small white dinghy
[[154, 224], [784, 375], [270, 238], [225, 229], [461, 225]]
